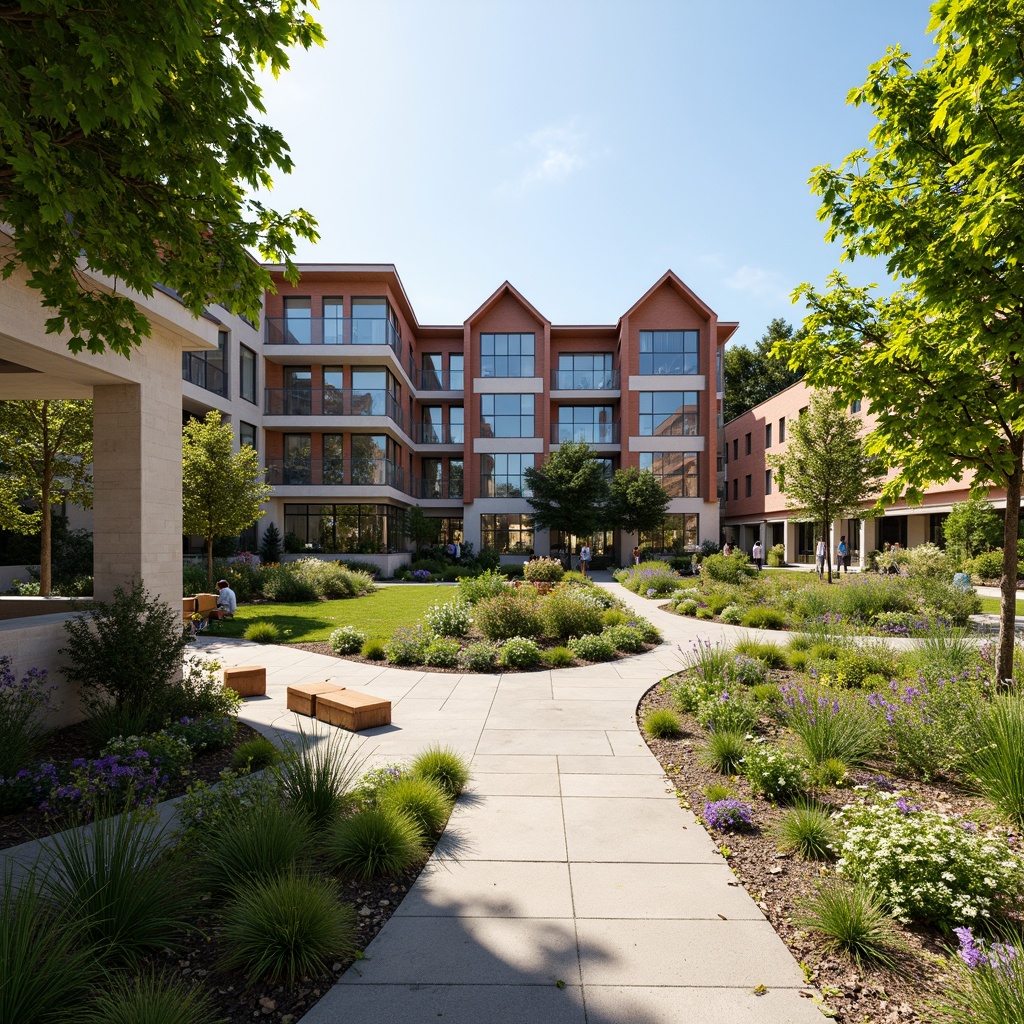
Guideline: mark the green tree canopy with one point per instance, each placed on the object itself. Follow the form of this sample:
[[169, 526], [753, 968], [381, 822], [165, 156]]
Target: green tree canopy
[[638, 501], [45, 459], [940, 196], [222, 490], [972, 527], [127, 139], [825, 469], [570, 491], [754, 374]]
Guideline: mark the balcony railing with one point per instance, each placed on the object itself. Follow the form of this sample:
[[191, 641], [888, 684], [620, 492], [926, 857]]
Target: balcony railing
[[430, 433], [322, 330], [196, 370], [439, 380], [592, 433], [491, 488], [584, 380], [296, 472], [431, 487], [331, 402]]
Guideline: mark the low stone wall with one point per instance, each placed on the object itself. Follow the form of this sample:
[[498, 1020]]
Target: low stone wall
[[30, 607], [10, 573]]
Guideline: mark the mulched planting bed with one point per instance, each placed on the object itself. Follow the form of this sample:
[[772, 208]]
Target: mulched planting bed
[[73, 741], [853, 994]]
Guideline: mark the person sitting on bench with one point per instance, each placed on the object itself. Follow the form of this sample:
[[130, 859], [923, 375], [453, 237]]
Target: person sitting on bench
[[227, 603]]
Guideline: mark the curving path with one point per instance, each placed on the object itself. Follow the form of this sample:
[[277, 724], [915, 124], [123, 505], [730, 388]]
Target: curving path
[[569, 887]]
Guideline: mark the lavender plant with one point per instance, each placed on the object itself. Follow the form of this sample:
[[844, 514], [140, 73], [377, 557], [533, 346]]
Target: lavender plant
[[24, 706], [727, 814]]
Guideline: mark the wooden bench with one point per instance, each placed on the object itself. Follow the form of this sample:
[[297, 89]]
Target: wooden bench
[[352, 710], [246, 680], [302, 697]]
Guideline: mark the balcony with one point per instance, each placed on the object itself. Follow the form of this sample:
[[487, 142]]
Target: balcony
[[592, 433], [584, 380], [426, 488], [319, 330], [331, 402], [438, 380], [335, 473], [196, 370], [431, 433]]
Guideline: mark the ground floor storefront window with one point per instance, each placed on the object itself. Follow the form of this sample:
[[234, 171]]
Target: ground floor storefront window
[[678, 533], [346, 529], [509, 534]]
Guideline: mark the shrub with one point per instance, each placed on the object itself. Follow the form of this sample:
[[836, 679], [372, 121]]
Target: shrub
[[924, 865], [451, 619], [996, 764], [543, 570], [254, 755], [688, 606], [330, 579], [762, 617], [829, 727], [852, 919], [557, 657], [286, 928], [347, 640], [705, 613], [319, 775], [441, 652], [442, 765], [716, 602], [777, 556], [625, 638], [575, 578], [479, 657], [519, 652], [650, 632], [808, 829], [773, 773], [766, 693], [374, 842], [662, 724], [407, 646], [170, 753], [614, 617], [91, 788], [732, 614], [200, 693], [24, 707], [928, 560], [376, 781], [278, 584], [986, 566], [649, 579], [421, 799], [508, 614], [726, 712], [724, 751], [858, 661], [953, 604], [487, 584], [374, 649], [115, 882], [732, 568], [126, 657], [715, 791], [571, 611], [746, 671], [262, 633], [148, 998], [829, 773], [592, 647], [988, 981], [727, 814]]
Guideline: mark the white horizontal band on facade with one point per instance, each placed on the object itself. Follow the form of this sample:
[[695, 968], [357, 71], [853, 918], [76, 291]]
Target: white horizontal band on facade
[[507, 445], [508, 385], [667, 382], [675, 443]]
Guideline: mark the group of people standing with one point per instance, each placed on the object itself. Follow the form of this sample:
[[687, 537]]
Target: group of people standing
[[842, 556], [756, 553]]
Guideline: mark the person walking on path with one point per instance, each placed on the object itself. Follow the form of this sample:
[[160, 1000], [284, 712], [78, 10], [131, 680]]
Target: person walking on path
[[636, 556], [584, 558], [819, 556], [843, 561], [758, 554]]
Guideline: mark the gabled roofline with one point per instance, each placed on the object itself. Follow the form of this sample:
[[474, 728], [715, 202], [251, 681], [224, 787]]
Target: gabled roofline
[[672, 278], [506, 289]]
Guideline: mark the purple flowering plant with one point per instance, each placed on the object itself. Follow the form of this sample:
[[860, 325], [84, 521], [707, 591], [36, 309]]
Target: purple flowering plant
[[727, 814], [420, 575], [978, 953], [24, 707]]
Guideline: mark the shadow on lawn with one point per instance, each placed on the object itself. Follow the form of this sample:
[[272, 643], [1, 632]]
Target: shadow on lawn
[[293, 628]]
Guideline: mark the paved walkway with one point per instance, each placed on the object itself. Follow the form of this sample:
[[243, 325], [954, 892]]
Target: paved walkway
[[569, 887]]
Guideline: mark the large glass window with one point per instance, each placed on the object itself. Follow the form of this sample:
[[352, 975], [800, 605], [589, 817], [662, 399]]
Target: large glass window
[[456, 365], [334, 459], [506, 355], [334, 321], [247, 434], [590, 423], [455, 471], [601, 543], [371, 386], [508, 534], [297, 321], [370, 321], [457, 423], [346, 528], [677, 534], [372, 459], [676, 472], [247, 373], [208, 369], [669, 352], [431, 425], [298, 390], [298, 466], [334, 391], [501, 475], [433, 484], [580, 371], [668, 413], [432, 373], [506, 415]]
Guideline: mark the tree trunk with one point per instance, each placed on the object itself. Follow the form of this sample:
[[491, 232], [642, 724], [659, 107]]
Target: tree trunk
[[46, 532], [209, 563], [1008, 581]]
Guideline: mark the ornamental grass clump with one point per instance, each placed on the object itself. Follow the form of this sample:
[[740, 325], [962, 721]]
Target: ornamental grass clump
[[374, 842], [807, 828], [724, 751], [988, 981], [508, 614], [924, 865], [996, 764], [707, 661], [451, 619], [769, 653], [423, 800], [254, 755], [319, 775], [149, 998], [662, 724], [262, 633], [443, 765], [730, 813], [829, 726]]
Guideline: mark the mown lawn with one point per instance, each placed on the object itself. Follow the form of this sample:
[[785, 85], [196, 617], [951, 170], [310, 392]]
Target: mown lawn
[[991, 604], [377, 615]]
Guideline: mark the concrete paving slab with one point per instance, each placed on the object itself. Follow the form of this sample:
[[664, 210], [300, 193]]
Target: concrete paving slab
[[450, 1004], [642, 831], [711, 954], [627, 742], [639, 764], [529, 764], [490, 889], [514, 784], [626, 787], [480, 950], [668, 891], [547, 741], [545, 715], [507, 828], [663, 1005]]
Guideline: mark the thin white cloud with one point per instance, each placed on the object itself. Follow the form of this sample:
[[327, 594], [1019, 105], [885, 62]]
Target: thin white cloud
[[758, 282], [552, 155]]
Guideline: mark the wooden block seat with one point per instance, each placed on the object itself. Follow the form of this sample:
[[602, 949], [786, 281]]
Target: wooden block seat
[[188, 606], [205, 603], [352, 710], [246, 680], [302, 697]]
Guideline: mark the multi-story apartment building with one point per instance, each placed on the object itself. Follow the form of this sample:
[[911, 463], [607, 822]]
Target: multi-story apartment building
[[361, 412], [755, 507]]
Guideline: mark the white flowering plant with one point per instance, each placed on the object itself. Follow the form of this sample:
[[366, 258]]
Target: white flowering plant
[[774, 773], [346, 640], [926, 865], [451, 619]]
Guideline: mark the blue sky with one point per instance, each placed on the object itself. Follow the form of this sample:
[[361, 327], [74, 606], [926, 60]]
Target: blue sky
[[580, 149]]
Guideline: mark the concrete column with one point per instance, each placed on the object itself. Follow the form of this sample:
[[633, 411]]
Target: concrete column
[[137, 481], [863, 561]]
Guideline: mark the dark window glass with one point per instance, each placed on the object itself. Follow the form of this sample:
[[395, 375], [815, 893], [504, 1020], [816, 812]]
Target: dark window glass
[[668, 413], [506, 415], [247, 373], [669, 352], [677, 472], [501, 475], [506, 355], [246, 434], [507, 534]]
